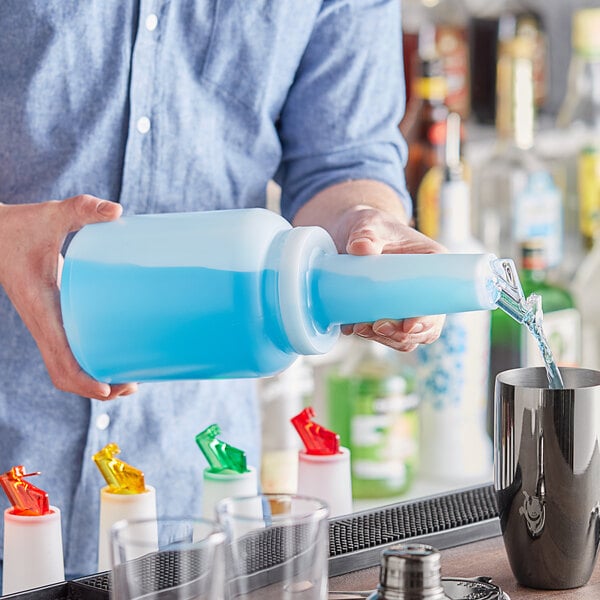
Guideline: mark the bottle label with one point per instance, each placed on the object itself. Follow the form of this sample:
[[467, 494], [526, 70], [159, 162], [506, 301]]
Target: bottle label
[[588, 178], [428, 209], [453, 371], [452, 45], [563, 331], [453, 379], [383, 434], [538, 214]]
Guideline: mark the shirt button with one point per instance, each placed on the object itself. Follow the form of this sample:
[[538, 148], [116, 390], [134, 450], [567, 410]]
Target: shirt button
[[102, 421], [151, 22], [143, 125]]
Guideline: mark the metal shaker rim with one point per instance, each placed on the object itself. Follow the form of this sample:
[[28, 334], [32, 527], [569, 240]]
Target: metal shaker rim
[[536, 378]]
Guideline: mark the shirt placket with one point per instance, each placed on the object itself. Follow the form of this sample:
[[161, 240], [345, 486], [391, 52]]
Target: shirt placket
[[139, 161]]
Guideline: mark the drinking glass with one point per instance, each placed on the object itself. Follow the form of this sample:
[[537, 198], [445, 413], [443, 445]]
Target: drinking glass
[[167, 559], [277, 547]]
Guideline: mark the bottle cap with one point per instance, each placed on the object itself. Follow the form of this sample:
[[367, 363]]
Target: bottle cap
[[534, 256], [520, 46], [220, 456], [411, 571], [26, 499], [120, 477], [316, 438], [586, 32]]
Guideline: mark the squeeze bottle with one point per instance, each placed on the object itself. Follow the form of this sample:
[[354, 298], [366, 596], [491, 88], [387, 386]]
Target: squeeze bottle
[[239, 293], [126, 496], [227, 474], [33, 551], [323, 465]]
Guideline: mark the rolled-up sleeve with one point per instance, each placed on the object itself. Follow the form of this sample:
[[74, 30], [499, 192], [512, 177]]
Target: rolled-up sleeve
[[340, 120]]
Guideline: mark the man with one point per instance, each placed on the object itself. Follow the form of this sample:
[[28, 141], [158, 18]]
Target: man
[[172, 106]]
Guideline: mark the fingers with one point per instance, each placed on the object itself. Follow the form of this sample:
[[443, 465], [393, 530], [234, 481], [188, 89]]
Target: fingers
[[372, 232], [31, 237], [405, 335], [84, 209], [66, 373]]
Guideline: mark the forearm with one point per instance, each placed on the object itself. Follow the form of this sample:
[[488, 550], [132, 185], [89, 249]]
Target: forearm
[[332, 207]]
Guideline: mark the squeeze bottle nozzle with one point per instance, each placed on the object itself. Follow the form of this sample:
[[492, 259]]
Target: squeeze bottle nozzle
[[221, 456], [120, 477], [25, 498], [316, 438]]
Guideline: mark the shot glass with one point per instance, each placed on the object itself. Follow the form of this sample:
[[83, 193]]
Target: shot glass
[[167, 558], [277, 547], [547, 475]]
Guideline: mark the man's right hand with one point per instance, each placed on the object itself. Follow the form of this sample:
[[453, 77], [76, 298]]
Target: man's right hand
[[31, 238]]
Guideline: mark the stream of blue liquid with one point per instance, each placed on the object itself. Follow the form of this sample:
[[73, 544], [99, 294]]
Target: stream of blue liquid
[[529, 313]]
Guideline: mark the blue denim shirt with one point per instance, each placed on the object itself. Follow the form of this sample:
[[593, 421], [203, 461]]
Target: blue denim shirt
[[169, 106]]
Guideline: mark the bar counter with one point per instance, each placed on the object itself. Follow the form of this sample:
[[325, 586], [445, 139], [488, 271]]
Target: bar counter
[[482, 558], [463, 525]]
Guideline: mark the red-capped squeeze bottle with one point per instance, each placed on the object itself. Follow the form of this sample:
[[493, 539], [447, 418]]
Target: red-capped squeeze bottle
[[323, 465]]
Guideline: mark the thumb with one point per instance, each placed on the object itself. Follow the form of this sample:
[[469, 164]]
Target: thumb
[[363, 245], [85, 209]]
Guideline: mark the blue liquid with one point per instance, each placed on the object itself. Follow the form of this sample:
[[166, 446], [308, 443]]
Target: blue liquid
[[534, 323], [131, 323], [347, 289], [528, 312], [127, 322]]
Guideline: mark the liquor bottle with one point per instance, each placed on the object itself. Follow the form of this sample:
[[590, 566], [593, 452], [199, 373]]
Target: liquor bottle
[[578, 139], [579, 122], [423, 128], [488, 27], [516, 196], [372, 405], [512, 345], [586, 289], [452, 373], [446, 21], [281, 397]]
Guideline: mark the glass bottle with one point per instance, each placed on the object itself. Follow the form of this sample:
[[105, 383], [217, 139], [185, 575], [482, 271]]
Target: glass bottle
[[372, 405], [517, 198], [579, 123], [452, 373], [423, 128], [488, 27], [446, 22], [512, 345], [586, 290], [579, 138]]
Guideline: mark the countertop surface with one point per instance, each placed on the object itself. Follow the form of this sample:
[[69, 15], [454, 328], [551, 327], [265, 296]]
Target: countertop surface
[[484, 558]]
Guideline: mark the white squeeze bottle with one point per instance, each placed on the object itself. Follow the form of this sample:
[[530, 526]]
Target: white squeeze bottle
[[452, 373], [239, 293]]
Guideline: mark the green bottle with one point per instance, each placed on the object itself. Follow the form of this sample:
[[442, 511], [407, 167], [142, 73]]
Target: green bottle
[[512, 344], [372, 405]]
